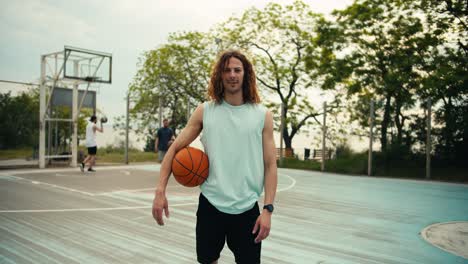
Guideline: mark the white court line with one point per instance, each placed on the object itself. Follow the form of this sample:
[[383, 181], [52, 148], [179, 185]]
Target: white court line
[[77, 169], [136, 190], [49, 184], [128, 191], [88, 209], [293, 183]]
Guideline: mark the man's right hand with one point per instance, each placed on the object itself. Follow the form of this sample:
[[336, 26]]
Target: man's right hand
[[159, 205]]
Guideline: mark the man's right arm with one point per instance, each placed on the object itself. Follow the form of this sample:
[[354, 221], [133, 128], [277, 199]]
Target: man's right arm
[[96, 128], [156, 141], [187, 136]]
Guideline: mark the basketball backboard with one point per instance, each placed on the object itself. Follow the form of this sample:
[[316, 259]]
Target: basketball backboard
[[87, 65]]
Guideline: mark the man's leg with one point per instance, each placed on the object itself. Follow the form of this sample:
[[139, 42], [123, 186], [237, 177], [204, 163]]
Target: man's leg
[[83, 163], [86, 160], [91, 162], [92, 153], [161, 154], [240, 239], [210, 232]]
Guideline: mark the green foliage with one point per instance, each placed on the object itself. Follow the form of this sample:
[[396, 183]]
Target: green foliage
[[278, 40], [390, 164], [386, 58], [400, 53], [19, 120], [292, 163], [150, 142], [16, 153], [353, 164], [173, 76], [343, 151], [396, 53], [112, 154]]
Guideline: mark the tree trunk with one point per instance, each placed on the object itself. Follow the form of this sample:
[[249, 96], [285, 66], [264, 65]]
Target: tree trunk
[[449, 129], [385, 122], [398, 122], [287, 139]]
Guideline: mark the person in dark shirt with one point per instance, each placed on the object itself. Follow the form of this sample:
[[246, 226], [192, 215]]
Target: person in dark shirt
[[164, 138]]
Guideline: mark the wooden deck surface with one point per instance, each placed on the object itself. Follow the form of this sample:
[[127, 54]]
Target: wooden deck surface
[[65, 216]]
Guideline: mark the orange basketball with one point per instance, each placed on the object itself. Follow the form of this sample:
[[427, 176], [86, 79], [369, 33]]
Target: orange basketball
[[190, 167]]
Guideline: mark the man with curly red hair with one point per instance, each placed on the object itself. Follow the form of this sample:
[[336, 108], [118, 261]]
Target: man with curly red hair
[[238, 139]]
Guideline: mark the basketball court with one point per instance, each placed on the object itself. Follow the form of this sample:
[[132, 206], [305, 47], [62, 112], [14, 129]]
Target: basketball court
[[66, 216]]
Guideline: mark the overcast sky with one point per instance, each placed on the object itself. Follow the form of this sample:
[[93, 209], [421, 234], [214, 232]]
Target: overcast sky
[[125, 28]]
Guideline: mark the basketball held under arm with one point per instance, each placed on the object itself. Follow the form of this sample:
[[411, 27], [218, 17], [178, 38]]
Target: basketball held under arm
[[187, 136]]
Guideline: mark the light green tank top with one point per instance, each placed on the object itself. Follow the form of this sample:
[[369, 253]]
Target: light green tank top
[[232, 138]]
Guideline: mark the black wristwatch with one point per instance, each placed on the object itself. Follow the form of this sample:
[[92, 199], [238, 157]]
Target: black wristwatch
[[269, 207]]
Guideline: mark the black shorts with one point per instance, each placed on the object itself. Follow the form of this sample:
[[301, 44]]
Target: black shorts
[[92, 150], [215, 227]]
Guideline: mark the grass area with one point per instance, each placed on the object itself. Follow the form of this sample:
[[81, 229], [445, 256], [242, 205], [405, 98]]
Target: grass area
[[117, 155], [133, 156], [21, 153], [106, 154], [356, 164], [351, 165]]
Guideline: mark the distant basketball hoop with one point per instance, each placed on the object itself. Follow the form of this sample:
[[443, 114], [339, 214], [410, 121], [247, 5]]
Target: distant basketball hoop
[[87, 65], [62, 73]]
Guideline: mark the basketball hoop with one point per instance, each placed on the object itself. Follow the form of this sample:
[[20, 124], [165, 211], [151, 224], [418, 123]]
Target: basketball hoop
[[92, 78]]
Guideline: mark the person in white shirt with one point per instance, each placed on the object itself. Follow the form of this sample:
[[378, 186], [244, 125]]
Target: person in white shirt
[[91, 129]]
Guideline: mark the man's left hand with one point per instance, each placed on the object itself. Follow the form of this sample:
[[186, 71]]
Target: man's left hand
[[262, 225]]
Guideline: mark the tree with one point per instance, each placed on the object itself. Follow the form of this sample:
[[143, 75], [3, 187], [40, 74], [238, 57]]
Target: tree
[[277, 38], [19, 125], [381, 47], [446, 69], [174, 75]]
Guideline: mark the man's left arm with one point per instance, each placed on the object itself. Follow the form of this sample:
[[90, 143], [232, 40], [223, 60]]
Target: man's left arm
[[263, 223], [171, 140]]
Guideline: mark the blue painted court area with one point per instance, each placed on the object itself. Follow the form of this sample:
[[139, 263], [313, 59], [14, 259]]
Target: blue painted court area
[[370, 220], [65, 216]]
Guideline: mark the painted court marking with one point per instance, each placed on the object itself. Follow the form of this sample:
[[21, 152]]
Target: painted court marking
[[291, 185], [449, 236], [16, 178]]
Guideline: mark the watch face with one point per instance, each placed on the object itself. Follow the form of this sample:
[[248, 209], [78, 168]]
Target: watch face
[[269, 207]]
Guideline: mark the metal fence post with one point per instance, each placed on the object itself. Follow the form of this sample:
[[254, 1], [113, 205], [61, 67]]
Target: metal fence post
[[324, 132], [126, 127], [281, 159], [371, 138], [428, 140]]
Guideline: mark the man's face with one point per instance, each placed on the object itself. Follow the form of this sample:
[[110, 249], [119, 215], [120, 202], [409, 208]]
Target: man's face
[[233, 76], [165, 123]]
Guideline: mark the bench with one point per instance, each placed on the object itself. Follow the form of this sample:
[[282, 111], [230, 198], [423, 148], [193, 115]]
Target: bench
[[287, 153], [317, 154]]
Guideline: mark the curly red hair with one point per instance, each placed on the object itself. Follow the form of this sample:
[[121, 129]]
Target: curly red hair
[[249, 84]]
